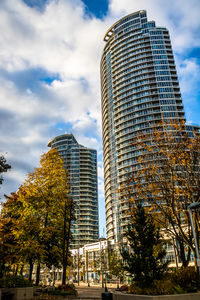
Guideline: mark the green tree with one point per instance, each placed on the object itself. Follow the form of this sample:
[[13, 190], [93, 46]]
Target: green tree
[[143, 256]]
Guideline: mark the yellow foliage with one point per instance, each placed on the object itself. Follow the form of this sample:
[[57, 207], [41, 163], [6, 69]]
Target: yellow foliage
[[45, 203], [166, 177]]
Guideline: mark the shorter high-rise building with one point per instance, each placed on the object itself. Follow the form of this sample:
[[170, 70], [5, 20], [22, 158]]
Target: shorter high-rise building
[[81, 163]]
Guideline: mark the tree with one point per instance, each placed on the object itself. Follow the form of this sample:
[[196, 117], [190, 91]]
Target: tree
[[166, 178], [3, 167], [66, 222], [115, 264], [143, 256], [9, 251], [43, 228]]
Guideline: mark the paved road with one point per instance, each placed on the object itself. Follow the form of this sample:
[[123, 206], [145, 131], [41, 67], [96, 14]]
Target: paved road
[[90, 292]]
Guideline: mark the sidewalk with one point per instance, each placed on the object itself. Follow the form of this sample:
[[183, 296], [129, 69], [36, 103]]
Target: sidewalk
[[97, 285], [92, 292], [89, 292]]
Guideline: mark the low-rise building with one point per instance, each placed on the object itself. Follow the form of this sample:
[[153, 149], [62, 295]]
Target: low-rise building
[[91, 263]]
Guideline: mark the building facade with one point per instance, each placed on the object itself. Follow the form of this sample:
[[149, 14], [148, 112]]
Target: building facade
[[140, 88], [90, 263], [81, 163]]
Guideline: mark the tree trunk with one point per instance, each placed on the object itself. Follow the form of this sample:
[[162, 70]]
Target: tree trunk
[[16, 270], [64, 264], [31, 269], [66, 237], [54, 275], [188, 255], [64, 273], [197, 271], [38, 274], [21, 270], [2, 268], [182, 254]]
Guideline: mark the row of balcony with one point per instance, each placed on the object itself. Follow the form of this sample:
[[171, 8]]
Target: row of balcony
[[132, 120], [139, 96], [142, 126], [140, 69], [127, 114]]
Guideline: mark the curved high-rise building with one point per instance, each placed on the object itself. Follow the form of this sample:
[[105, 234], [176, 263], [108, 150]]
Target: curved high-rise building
[[81, 163], [140, 88]]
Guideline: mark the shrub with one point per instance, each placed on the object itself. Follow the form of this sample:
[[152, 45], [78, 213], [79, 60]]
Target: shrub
[[11, 281], [158, 287], [124, 288], [62, 290], [177, 282], [186, 278], [66, 286]]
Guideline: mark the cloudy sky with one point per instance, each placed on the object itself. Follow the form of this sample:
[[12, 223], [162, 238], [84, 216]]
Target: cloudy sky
[[49, 72]]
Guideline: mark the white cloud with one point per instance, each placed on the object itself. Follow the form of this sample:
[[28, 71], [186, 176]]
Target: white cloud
[[181, 17], [60, 40], [189, 72], [100, 170]]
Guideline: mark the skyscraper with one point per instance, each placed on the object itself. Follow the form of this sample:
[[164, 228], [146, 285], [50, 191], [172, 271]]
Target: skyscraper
[[139, 89], [81, 163]]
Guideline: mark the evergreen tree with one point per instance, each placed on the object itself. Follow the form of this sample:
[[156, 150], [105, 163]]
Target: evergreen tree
[[144, 254]]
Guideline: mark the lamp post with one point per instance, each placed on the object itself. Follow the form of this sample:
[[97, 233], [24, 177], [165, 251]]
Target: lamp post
[[191, 207], [78, 267]]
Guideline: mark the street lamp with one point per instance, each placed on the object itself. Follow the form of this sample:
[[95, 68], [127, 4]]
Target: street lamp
[[78, 265], [192, 206]]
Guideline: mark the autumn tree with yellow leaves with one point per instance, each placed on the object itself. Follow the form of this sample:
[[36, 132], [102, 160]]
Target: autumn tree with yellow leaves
[[9, 250], [166, 180], [43, 228]]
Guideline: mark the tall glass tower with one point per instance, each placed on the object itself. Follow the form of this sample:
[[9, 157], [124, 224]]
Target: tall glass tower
[[140, 87], [81, 163]]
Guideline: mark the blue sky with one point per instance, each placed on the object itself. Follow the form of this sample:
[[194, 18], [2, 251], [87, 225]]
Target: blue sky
[[49, 72], [97, 8]]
